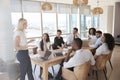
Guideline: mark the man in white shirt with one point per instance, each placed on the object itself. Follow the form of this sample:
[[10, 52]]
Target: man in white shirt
[[80, 57], [73, 36]]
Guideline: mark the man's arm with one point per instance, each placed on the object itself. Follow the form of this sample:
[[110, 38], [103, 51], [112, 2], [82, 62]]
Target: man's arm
[[68, 55]]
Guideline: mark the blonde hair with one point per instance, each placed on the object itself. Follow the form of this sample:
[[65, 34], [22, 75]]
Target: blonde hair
[[21, 23]]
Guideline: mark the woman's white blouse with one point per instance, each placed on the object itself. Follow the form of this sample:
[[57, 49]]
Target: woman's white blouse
[[92, 40], [48, 45], [103, 49], [21, 34]]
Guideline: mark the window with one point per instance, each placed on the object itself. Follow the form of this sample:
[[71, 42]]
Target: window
[[73, 21], [33, 17], [34, 24], [62, 16], [83, 26], [49, 23], [63, 22], [88, 22], [15, 16], [16, 13], [95, 21]]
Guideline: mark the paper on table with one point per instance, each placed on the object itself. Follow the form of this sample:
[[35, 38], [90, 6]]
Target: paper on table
[[35, 56]]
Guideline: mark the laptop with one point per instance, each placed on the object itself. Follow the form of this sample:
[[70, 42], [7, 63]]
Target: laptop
[[46, 56], [57, 54]]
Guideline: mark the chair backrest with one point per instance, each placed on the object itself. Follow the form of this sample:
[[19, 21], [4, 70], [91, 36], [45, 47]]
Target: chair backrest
[[85, 43], [101, 61], [81, 72], [110, 55]]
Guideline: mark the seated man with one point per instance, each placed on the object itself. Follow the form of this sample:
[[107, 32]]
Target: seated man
[[72, 36], [97, 43], [58, 40], [80, 57]]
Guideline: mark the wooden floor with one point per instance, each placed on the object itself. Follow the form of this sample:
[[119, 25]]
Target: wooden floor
[[115, 74], [111, 74]]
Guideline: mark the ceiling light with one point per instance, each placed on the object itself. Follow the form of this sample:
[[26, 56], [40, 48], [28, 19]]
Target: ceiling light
[[80, 2]]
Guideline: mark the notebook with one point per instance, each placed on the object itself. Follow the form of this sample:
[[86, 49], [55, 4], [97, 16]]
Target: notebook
[[46, 56]]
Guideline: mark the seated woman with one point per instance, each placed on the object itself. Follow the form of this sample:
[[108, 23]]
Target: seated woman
[[58, 40], [44, 43], [92, 37], [44, 46], [107, 45]]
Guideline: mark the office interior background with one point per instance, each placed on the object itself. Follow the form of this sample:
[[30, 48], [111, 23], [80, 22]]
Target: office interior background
[[64, 15]]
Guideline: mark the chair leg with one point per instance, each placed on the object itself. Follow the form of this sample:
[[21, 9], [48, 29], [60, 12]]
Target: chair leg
[[93, 72], [110, 64], [96, 75], [105, 70], [53, 70], [105, 74], [41, 70], [34, 67]]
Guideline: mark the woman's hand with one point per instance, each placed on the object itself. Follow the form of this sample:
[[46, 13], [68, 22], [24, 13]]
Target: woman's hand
[[31, 40], [59, 47], [44, 41], [89, 37]]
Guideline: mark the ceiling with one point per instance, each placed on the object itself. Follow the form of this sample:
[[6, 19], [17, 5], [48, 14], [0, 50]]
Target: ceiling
[[90, 2]]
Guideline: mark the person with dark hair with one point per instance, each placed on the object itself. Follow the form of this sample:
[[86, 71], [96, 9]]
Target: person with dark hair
[[73, 36], [44, 46], [80, 56], [58, 40], [98, 41], [44, 43], [92, 31], [91, 37], [107, 46]]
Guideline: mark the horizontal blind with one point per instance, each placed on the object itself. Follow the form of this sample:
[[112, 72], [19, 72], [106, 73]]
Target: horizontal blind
[[74, 9], [15, 5], [31, 6], [63, 8], [85, 10]]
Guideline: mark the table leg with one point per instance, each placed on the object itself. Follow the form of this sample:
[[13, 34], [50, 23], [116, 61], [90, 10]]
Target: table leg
[[45, 72]]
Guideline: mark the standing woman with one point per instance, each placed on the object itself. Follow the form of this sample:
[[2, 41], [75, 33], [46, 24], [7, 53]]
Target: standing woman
[[20, 44]]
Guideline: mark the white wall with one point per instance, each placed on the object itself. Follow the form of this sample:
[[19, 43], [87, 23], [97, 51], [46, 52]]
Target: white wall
[[106, 19], [110, 19], [117, 19], [6, 35], [103, 20]]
